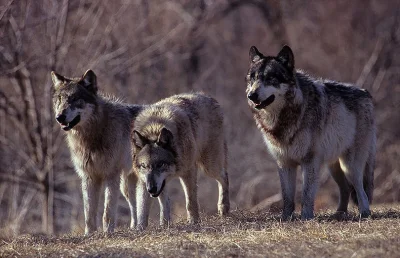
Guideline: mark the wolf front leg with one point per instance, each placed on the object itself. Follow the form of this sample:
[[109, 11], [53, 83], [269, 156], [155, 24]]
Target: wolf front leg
[[310, 186], [189, 184], [165, 208], [143, 201], [90, 192], [287, 175], [111, 194]]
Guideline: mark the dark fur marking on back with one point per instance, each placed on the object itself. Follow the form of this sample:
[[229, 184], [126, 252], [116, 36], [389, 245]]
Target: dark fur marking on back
[[349, 95]]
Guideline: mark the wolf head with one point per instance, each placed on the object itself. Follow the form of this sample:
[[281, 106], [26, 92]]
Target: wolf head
[[269, 77], [74, 99], [154, 159]]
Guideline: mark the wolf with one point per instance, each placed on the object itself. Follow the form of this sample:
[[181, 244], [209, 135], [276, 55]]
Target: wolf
[[310, 122], [98, 135], [174, 138]]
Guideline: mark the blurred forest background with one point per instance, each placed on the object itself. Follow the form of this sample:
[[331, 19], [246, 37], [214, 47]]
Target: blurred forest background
[[147, 50]]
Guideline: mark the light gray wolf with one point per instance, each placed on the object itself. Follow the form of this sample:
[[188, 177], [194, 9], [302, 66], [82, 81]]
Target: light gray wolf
[[174, 138], [310, 122], [98, 135]]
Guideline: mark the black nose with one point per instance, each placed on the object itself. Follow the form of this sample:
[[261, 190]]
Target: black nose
[[152, 189], [61, 118], [253, 96]]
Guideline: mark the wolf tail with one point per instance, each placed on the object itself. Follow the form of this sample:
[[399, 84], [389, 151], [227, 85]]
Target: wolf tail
[[368, 180], [369, 174]]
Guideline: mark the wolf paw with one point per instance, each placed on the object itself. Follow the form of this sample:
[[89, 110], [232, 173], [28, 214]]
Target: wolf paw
[[365, 214], [223, 210], [286, 216], [339, 215], [307, 215]]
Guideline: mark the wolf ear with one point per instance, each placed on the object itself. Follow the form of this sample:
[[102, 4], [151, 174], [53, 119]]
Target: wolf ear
[[89, 81], [139, 140], [165, 137], [286, 57], [57, 79], [254, 55]]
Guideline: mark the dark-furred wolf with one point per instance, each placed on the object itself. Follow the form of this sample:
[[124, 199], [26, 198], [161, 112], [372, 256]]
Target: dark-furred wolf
[[98, 133], [174, 138], [311, 122]]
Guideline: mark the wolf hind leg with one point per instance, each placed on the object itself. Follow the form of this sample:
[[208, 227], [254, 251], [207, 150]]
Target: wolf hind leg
[[344, 188], [221, 176], [354, 173], [287, 177], [128, 190], [223, 197], [214, 165]]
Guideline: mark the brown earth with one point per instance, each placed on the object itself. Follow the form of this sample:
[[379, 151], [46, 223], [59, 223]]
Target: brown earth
[[242, 234]]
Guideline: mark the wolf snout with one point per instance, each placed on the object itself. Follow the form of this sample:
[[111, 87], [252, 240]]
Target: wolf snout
[[152, 189], [61, 118], [253, 97], [151, 186]]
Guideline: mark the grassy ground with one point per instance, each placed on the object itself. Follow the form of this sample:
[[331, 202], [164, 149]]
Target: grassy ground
[[242, 234]]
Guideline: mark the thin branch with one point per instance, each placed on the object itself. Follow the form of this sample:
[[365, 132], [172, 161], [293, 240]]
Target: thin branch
[[6, 8], [267, 202], [7, 143], [22, 181], [370, 64]]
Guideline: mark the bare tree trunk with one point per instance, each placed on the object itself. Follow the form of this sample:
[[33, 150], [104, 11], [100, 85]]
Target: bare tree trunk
[[50, 203], [45, 207]]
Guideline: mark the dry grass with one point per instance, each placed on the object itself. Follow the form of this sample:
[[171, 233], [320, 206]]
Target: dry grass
[[242, 234]]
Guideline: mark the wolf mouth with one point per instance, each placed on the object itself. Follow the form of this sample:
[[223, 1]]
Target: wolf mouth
[[159, 192], [266, 102], [70, 125]]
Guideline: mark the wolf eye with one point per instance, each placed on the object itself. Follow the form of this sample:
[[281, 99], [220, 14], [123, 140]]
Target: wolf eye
[[272, 81], [161, 165], [142, 165]]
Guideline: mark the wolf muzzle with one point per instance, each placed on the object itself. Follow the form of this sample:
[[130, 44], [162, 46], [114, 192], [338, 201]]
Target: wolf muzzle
[[153, 189], [263, 104], [67, 126]]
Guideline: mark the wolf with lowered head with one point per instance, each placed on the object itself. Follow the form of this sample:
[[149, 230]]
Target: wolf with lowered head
[[310, 122], [174, 138], [97, 130]]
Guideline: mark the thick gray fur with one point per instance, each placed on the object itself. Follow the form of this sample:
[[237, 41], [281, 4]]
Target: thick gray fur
[[97, 132], [174, 138], [310, 122]]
